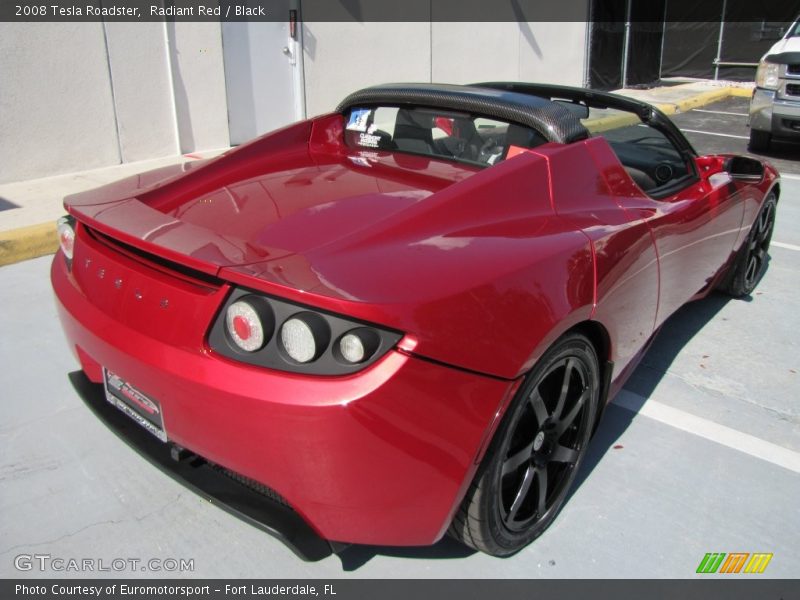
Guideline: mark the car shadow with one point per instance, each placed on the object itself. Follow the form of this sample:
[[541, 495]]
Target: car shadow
[[676, 332], [356, 556], [7, 204], [673, 336]]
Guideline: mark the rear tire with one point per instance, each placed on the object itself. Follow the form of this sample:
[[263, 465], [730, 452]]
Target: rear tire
[[759, 140], [751, 260], [532, 461]]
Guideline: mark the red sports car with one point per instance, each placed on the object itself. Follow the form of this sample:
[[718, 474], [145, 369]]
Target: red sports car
[[404, 318]]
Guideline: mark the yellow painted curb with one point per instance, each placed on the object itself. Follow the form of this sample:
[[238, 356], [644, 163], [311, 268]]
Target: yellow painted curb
[[27, 242], [741, 92], [668, 108], [701, 99], [610, 122]]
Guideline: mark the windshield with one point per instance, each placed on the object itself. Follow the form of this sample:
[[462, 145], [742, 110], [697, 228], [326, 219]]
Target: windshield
[[438, 133]]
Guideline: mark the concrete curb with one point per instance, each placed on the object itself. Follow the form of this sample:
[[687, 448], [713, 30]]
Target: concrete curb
[[27, 242], [672, 108], [704, 98]]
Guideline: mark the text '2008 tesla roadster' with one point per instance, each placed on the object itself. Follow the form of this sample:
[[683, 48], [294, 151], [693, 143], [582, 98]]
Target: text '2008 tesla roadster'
[[403, 318]]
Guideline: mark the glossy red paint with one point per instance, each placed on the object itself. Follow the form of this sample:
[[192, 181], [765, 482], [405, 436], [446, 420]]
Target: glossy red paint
[[378, 457], [481, 270]]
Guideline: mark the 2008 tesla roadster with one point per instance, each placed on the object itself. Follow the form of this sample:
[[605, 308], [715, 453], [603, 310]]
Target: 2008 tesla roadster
[[405, 317]]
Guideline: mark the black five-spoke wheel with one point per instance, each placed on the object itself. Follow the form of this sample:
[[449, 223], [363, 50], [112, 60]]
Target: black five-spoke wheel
[[527, 472], [545, 444], [751, 262]]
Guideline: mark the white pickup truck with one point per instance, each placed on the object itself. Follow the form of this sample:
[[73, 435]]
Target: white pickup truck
[[775, 106]]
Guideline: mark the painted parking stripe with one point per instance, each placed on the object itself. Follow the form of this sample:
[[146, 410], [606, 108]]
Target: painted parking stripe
[[719, 112], [732, 438], [786, 246], [790, 176], [728, 135]]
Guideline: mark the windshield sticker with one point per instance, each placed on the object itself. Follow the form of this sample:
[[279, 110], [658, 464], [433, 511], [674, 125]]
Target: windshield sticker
[[358, 119], [370, 141]]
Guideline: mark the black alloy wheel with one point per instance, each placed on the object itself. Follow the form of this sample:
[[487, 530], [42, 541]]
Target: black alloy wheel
[[528, 470], [751, 261]]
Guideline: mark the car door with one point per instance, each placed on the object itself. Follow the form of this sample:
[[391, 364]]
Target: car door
[[695, 219]]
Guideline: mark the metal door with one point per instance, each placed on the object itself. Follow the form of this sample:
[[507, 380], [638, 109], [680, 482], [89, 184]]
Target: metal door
[[263, 72]]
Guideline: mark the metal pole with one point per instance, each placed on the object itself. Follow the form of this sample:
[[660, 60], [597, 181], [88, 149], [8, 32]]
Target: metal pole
[[299, 71], [626, 44], [719, 43], [663, 38]]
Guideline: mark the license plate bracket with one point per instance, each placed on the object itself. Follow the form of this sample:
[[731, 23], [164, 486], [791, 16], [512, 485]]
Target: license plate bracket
[[140, 407]]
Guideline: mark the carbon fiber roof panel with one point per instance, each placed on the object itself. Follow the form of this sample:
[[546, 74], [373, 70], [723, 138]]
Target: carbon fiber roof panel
[[553, 121]]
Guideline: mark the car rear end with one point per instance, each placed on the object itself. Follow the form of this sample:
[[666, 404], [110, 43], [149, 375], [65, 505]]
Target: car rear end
[[377, 452]]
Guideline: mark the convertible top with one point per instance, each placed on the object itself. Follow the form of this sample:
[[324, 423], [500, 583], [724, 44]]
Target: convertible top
[[553, 121]]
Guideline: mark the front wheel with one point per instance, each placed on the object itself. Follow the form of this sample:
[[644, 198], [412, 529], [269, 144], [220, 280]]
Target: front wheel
[[530, 466], [751, 260], [760, 141]]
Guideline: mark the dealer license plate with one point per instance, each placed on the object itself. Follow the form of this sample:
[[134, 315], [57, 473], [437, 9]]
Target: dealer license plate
[[138, 406]]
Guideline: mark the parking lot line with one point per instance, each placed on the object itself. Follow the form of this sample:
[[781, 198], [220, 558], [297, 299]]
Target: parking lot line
[[719, 112], [728, 135], [790, 176], [786, 246], [732, 438]]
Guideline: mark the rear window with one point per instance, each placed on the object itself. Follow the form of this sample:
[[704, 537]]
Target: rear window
[[438, 133]]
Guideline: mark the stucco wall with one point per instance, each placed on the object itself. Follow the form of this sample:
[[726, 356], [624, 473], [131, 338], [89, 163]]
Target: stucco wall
[[198, 80], [77, 96], [342, 57], [553, 52], [84, 95], [142, 90], [56, 109]]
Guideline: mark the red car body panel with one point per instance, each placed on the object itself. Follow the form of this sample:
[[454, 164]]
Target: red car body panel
[[481, 270], [378, 457]]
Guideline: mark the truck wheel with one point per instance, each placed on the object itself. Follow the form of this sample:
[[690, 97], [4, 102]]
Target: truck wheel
[[759, 140]]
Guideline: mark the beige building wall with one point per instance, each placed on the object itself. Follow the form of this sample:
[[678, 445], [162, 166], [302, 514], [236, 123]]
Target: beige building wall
[[56, 106], [342, 57], [77, 96]]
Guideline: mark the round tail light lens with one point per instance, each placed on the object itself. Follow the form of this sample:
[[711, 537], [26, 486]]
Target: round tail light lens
[[352, 348], [66, 236], [249, 324], [304, 337], [358, 345]]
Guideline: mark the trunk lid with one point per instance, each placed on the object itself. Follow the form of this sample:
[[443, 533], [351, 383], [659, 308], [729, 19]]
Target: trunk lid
[[244, 207]]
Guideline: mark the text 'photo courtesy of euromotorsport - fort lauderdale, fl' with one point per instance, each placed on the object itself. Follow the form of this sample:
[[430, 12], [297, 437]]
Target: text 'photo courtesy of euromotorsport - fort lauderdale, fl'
[[179, 590]]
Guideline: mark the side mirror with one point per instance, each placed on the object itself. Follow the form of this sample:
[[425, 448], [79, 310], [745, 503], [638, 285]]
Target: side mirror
[[744, 168]]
